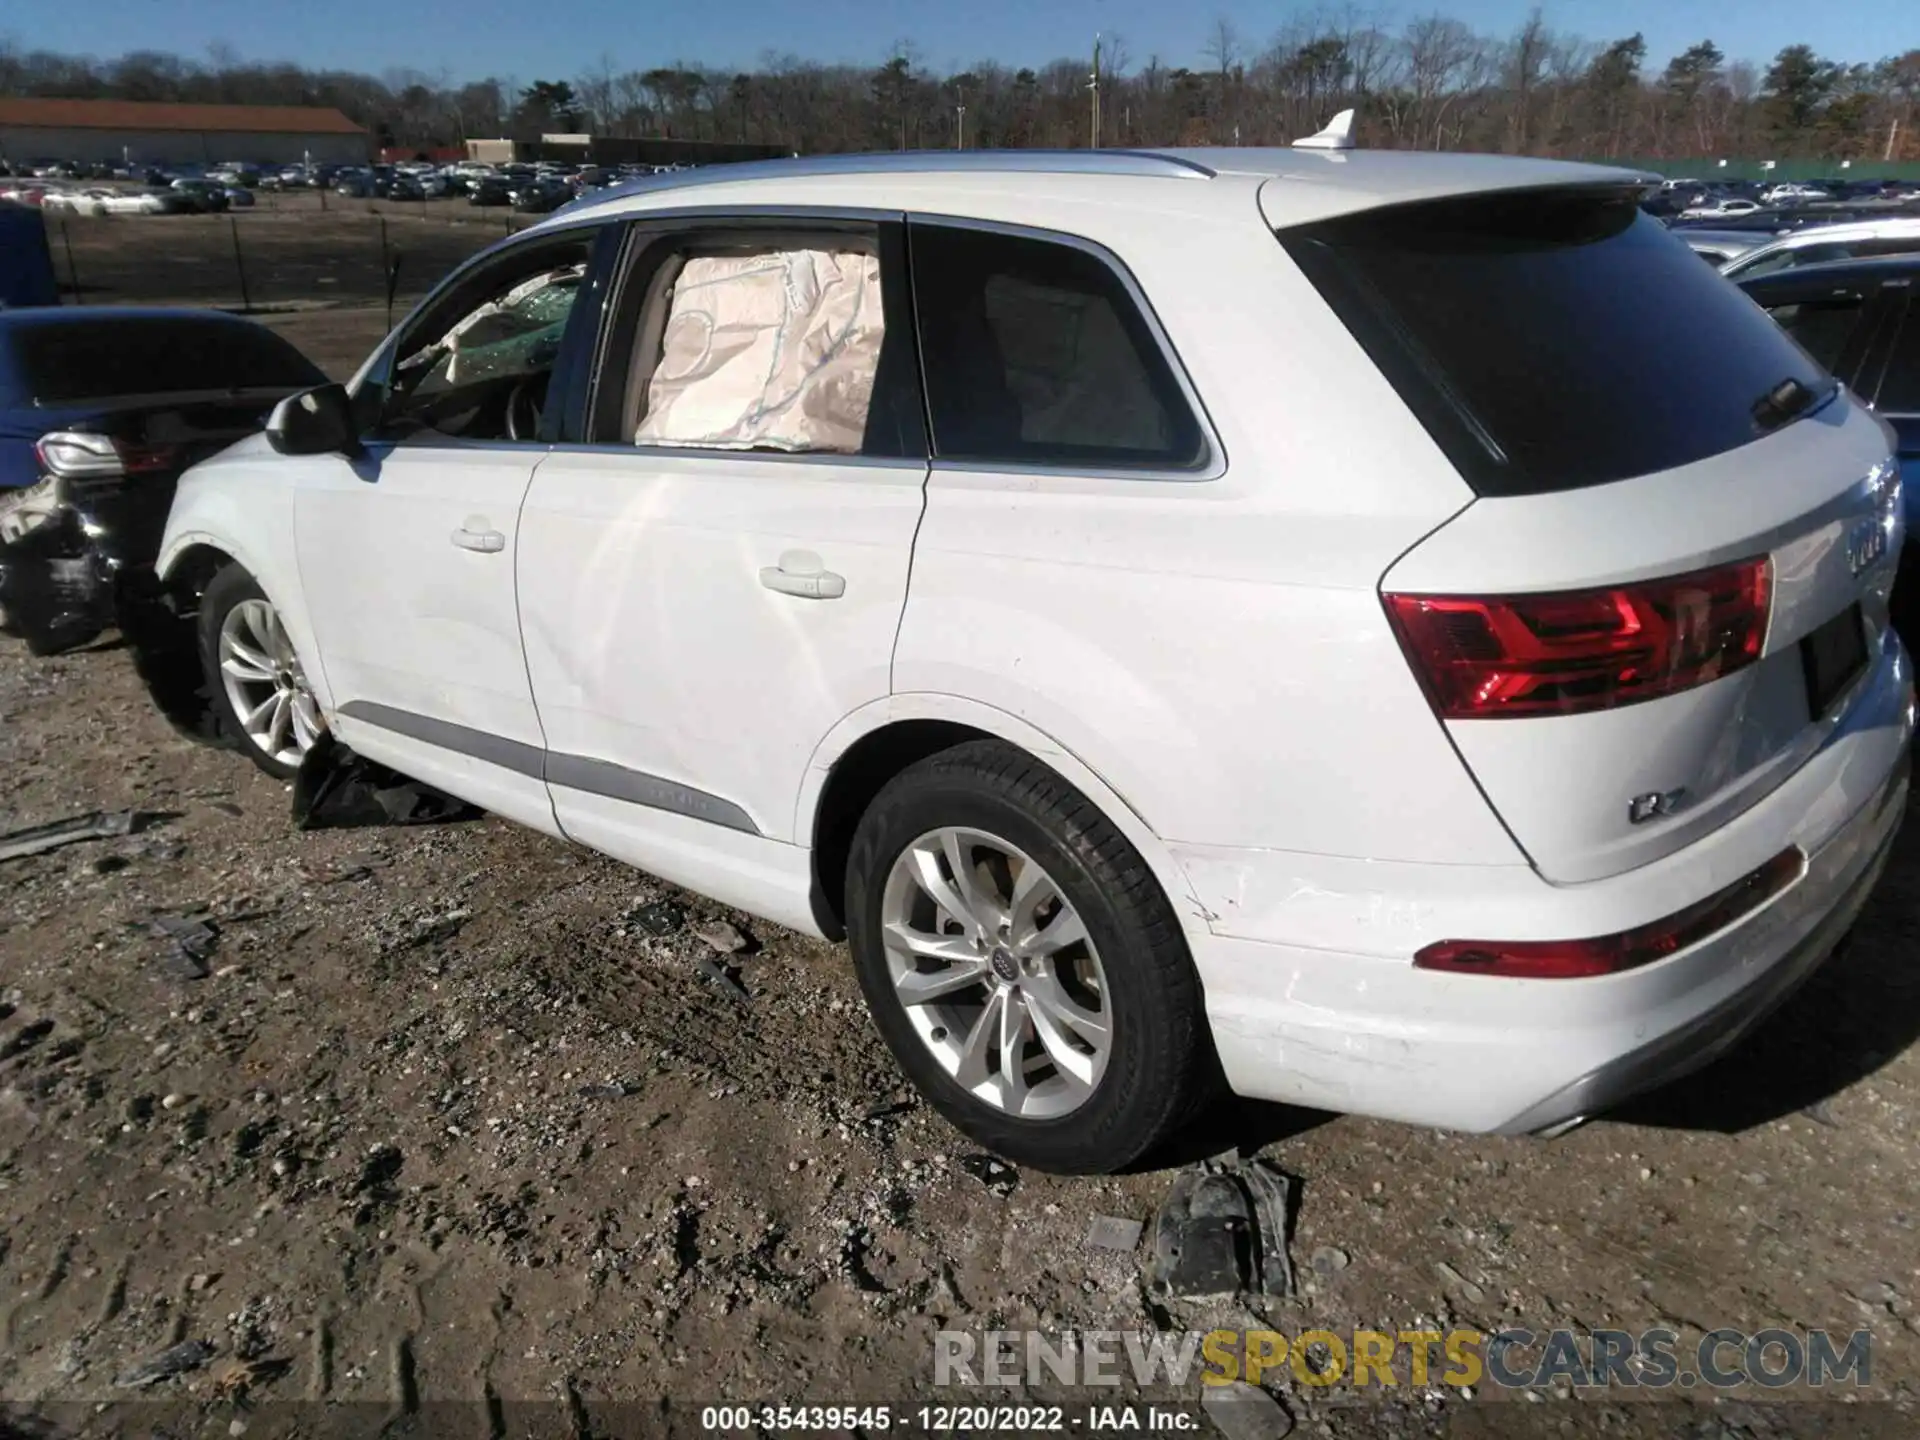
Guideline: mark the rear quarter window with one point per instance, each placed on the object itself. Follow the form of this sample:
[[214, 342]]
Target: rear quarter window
[[1550, 340]]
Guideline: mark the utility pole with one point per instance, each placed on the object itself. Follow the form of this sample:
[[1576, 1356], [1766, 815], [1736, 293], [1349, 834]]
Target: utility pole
[[1093, 84], [1893, 130]]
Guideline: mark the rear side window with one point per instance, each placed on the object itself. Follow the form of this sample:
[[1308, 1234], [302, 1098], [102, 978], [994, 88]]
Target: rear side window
[[1899, 392], [1036, 354], [1551, 340], [1822, 327], [70, 363]]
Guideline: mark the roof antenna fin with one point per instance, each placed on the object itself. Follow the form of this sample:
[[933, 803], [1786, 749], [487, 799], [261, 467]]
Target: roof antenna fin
[[1337, 136]]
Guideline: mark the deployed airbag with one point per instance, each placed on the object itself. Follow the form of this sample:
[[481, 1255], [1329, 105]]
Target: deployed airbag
[[773, 351]]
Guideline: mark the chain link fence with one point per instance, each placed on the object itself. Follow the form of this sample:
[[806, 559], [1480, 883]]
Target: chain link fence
[[283, 254]]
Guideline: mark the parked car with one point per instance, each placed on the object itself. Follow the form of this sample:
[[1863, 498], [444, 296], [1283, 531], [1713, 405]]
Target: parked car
[[1861, 321], [91, 201], [539, 197], [205, 196], [490, 190], [1816, 245], [1791, 192], [1240, 636], [100, 411], [239, 197], [1718, 247], [404, 187], [162, 201], [1720, 208]]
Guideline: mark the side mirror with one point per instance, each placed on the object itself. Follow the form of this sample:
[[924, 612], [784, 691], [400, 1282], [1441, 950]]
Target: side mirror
[[314, 422]]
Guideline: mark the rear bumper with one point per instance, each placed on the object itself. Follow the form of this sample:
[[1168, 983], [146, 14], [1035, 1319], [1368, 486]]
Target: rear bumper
[[1692, 1046], [1314, 1000]]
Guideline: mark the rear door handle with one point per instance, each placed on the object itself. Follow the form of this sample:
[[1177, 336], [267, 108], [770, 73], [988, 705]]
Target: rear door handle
[[487, 542], [801, 573]]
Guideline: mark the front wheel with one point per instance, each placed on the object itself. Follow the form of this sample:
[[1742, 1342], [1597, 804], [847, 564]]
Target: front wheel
[[260, 693], [1023, 964]]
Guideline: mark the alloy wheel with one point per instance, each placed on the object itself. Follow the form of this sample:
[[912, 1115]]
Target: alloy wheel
[[996, 973], [265, 684]]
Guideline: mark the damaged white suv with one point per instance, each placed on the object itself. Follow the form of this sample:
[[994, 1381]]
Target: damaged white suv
[[1390, 632]]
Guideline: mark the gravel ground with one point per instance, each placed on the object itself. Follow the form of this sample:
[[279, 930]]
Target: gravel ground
[[445, 1120]]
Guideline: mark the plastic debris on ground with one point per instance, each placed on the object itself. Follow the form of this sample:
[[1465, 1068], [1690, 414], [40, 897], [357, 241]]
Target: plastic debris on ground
[[721, 978], [337, 789], [1222, 1232], [190, 1355], [1245, 1412], [1113, 1232], [99, 825], [996, 1175], [190, 942], [662, 917]]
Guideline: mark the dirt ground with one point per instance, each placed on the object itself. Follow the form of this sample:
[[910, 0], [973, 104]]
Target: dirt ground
[[446, 1121], [447, 1125]]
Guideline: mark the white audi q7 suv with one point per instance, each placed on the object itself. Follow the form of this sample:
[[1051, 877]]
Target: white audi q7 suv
[[1388, 632]]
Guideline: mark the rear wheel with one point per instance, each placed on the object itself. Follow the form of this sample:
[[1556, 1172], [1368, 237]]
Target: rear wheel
[[1022, 963], [259, 691]]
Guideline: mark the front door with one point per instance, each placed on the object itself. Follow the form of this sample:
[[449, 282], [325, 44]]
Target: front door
[[714, 577], [407, 552]]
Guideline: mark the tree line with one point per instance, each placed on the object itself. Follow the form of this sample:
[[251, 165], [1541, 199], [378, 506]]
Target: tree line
[[1431, 83]]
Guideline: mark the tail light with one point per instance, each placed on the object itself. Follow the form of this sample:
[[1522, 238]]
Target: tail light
[[1628, 950], [1569, 652], [78, 455]]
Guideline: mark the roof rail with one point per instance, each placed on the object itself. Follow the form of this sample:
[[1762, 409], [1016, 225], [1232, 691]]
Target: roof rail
[[914, 162]]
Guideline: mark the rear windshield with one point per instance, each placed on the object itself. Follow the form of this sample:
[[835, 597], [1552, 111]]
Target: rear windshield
[[87, 360], [1550, 340]]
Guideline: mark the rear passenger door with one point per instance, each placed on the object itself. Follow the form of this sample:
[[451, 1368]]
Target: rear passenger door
[[711, 574]]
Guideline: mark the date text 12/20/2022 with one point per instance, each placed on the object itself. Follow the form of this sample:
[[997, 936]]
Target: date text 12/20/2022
[[952, 1419]]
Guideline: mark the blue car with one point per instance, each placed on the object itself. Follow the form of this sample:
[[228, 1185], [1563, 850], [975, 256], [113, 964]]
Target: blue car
[[101, 409]]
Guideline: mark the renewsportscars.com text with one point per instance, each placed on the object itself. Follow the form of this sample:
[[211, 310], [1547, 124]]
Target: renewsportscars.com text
[[1510, 1359]]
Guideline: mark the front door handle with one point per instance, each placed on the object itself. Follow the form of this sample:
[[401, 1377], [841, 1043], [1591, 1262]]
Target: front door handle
[[801, 573], [487, 542]]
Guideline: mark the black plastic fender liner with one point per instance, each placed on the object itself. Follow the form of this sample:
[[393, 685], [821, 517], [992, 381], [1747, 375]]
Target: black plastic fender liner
[[1222, 1231], [336, 788]]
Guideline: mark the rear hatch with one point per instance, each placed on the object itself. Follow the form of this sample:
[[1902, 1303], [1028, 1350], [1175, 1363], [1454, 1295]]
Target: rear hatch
[[1674, 577]]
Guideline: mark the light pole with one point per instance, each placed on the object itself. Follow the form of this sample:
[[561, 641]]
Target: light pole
[[1093, 84], [959, 127]]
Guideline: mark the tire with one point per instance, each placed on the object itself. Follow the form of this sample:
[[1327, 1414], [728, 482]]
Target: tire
[[1157, 1067], [234, 590]]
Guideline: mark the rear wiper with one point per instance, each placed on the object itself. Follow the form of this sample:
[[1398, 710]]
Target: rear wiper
[[1786, 401]]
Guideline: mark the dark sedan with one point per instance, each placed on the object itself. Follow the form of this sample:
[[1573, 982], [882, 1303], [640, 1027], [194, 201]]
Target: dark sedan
[[1861, 319], [101, 409]]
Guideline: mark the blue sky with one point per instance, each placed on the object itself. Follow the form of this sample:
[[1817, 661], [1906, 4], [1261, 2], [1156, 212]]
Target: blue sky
[[518, 38]]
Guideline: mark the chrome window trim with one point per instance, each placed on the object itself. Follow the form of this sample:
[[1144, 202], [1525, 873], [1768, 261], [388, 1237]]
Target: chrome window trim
[[1212, 464], [721, 452]]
